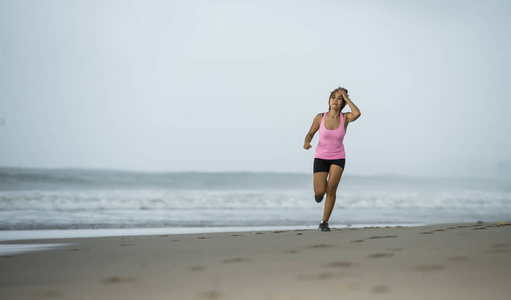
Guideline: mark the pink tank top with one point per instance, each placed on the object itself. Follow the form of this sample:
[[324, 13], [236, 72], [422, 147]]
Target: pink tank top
[[330, 144]]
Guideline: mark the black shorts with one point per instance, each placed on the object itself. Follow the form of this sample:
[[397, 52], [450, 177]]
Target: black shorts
[[323, 165]]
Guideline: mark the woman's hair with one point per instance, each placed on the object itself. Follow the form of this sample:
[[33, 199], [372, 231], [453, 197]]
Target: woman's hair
[[332, 95]]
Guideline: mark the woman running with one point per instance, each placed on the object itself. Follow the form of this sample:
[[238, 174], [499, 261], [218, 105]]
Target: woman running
[[330, 158]]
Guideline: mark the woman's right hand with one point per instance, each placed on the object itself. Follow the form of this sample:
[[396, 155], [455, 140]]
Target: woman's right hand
[[307, 146]]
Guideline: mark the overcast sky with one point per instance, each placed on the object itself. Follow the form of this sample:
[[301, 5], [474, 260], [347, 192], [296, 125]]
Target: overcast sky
[[235, 85]]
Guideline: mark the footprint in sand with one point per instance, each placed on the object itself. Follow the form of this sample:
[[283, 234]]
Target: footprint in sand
[[341, 264], [115, 279], [322, 246], [499, 248], [379, 255], [197, 268], [234, 260], [383, 237]]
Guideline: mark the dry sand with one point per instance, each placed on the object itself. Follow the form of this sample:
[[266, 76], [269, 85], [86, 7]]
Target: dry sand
[[467, 261]]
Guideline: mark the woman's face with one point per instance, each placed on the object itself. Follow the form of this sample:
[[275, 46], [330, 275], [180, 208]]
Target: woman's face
[[336, 101]]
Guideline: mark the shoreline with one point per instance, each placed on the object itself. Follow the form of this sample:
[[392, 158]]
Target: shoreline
[[38, 234], [442, 261], [13, 242]]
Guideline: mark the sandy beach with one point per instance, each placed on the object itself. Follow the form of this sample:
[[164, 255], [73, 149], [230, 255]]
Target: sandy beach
[[451, 261]]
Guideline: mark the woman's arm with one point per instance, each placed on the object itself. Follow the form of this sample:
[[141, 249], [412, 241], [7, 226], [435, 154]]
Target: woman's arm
[[312, 132], [355, 112]]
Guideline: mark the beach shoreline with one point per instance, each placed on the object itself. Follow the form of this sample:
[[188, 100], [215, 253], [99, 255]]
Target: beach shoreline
[[45, 234], [18, 236], [443, 261]]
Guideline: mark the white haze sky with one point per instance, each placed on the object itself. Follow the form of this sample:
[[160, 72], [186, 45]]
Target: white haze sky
[[235, 85]]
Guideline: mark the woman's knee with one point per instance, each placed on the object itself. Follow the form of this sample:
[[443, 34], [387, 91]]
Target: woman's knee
[[331, 190]]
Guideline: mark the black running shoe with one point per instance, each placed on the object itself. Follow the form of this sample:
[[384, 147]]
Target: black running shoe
[[324, 226], [318, 198]]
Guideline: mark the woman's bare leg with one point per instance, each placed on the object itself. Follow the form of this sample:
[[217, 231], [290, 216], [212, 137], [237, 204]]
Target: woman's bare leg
[[320, 185], [331, 190]]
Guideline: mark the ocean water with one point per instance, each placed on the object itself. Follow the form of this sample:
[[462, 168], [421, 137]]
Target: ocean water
[[37, 199]]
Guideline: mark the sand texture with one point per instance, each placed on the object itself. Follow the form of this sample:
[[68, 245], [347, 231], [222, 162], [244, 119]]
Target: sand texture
[[462, 261]]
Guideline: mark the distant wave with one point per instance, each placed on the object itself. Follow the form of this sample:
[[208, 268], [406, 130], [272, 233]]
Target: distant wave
[[239, 199]]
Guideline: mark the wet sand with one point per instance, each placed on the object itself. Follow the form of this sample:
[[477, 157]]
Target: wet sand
[[452, 261]]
